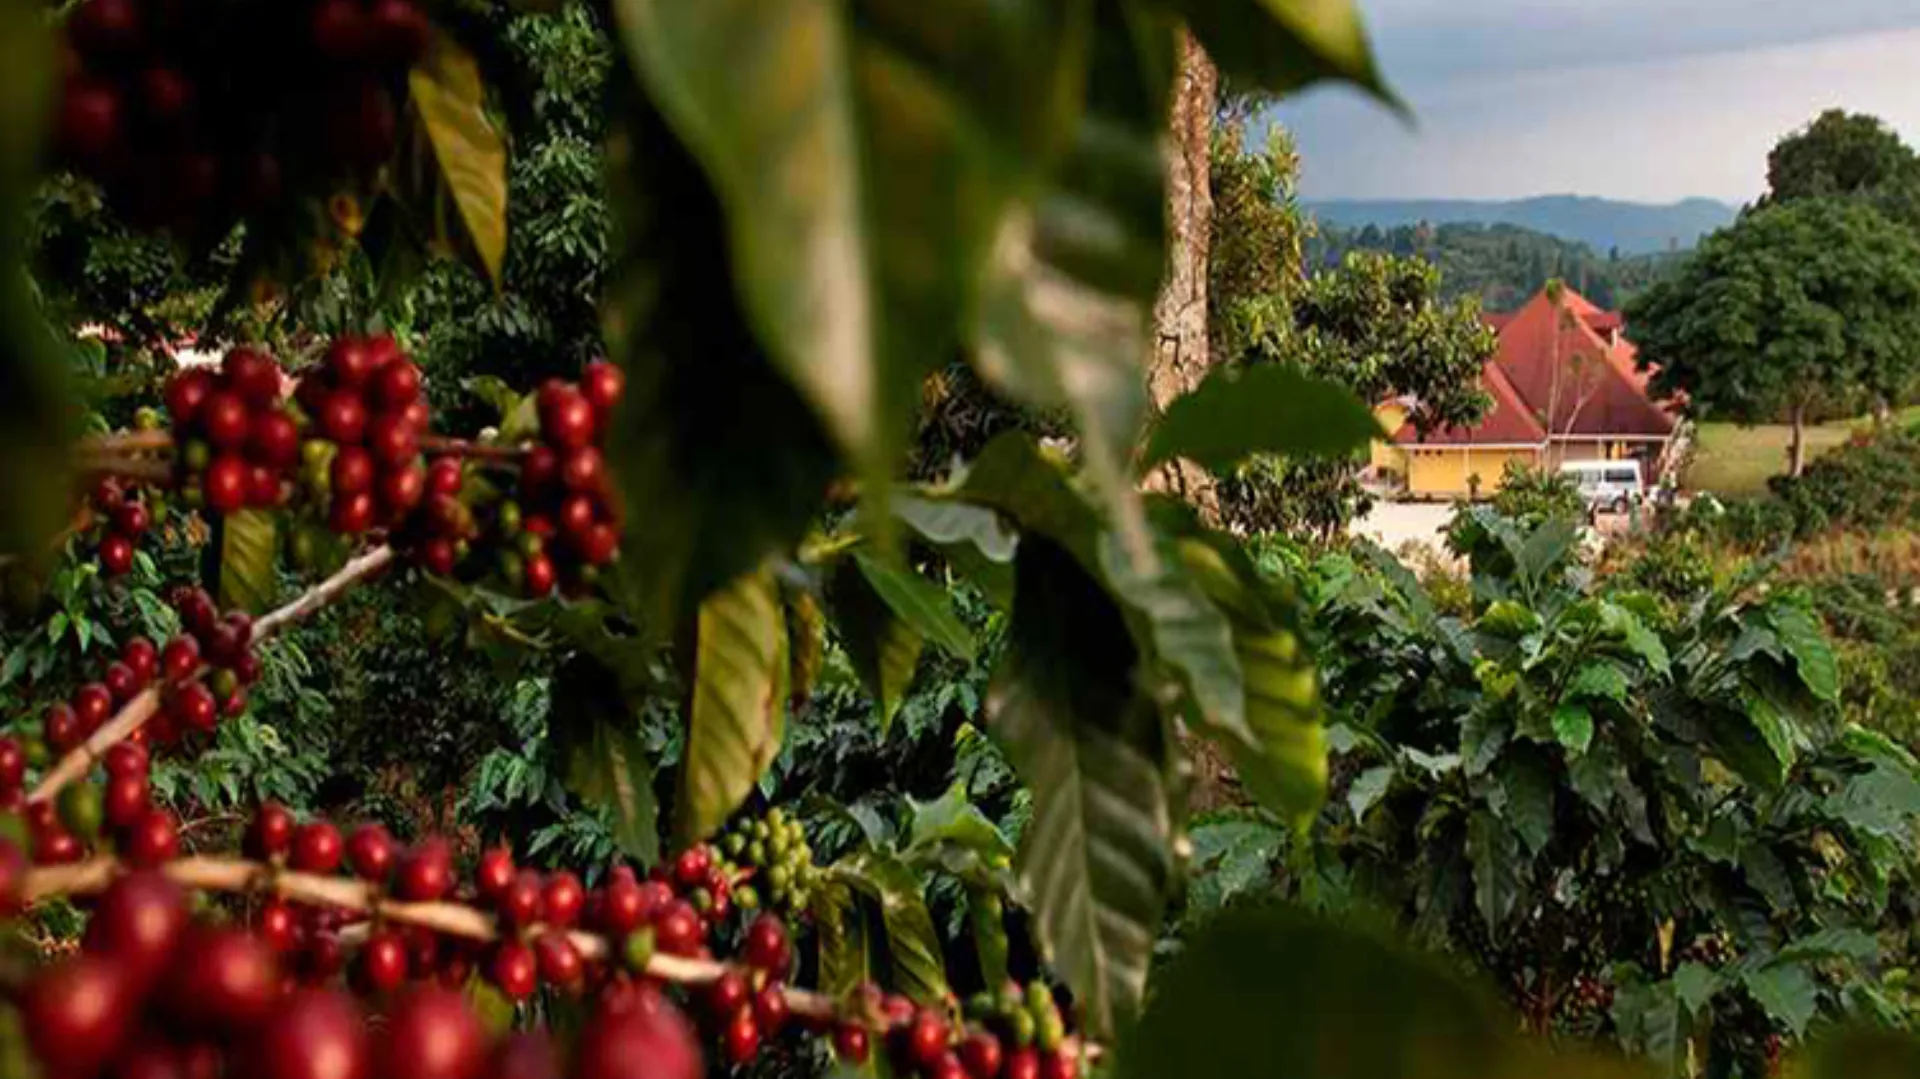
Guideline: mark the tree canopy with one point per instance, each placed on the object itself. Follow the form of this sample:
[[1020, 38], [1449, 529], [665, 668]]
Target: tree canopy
[[1808, 305], [1846, 154]]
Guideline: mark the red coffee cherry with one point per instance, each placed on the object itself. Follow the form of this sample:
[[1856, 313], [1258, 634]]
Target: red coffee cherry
[[742, 1039], [1023, 1064], [432, 1034], [524, 1055], [562, 898], [271, 832], [382, 963], [520, 903], [253, 375], [766, 945], [927, 1038], [140, 655], [638, 1043], [372, 851], [224, 418], [603, 383], [728, 994], [560, 962], [427, 872], [180, 659], [76, 1014], [314, 1034], [770, 1009], [126, 799], [275, 439], [225, 484], [678, 930], [494, 873], [93, 703], [221, 980], [116, 555], [186, 394], [317, 848], [120, 681], [852, 1043], [61, 726], [981, 1055], [138, 921], [514, 969], [152, 841]]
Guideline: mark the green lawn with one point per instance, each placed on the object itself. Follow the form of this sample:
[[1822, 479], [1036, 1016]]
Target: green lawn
[[1732, 460]]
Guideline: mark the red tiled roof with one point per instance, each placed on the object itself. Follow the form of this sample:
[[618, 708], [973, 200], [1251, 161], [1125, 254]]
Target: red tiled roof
[[1508, 423]]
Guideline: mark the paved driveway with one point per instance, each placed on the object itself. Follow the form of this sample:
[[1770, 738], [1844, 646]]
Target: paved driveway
[[1393, 524]]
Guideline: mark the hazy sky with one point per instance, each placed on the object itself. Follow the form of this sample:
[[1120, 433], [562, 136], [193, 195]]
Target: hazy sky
[[1652, 100]]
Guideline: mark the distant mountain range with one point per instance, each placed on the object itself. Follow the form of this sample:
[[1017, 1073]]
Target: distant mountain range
[[1636, 228]]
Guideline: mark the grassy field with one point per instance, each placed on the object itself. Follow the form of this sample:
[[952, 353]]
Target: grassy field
[[1731, 460]]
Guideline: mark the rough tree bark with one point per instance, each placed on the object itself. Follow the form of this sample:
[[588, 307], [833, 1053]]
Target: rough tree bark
[[1180, 312]]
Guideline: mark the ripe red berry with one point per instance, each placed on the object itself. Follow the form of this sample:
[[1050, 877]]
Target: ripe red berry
[[728, 994], [678, 930], [253, 375], [400, 31], [494, 873], [152, 841], [771, 1011], [314, 1034], [852, 1043], [514, 970], [583, 470], [540, 470], [432, 1034], [180, 658], [57, 846], [224, 418], [519, 903], [560, 962], [106, 29], [397, 385], [61, 726], [278, 925], [271, 832], [1023, 1064], [524, 1055], [225, 484], [427, 872], [653, 1042], [602, 383], [562, 898], [599, 546], [351, 514], [93, 703], [690, 869], [981, 1055], [742, 1040], [76, 1014], [766, 945], [13, 764], [352, 471], [372, 851], [445, 477], [381, 966], [186, 393], [126, 799], [91, 121], [927, 1037], [351, 359], [220, 979], [566, 416], [317, 848], [1058, 1066], [263, 486], [401, 490], [339, 31], [577, 515], [392, 440], [539, 575], [137, 921], [120, 681], [439, 556], [125, 759], [142, 657], [131, 519], [343, 417], [275, 439], [116, 555], [622, 906]]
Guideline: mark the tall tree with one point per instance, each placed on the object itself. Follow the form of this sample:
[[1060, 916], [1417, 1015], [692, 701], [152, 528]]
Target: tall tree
[[1257, 262], [1180, 313], [1813, 303], [1847, 154]]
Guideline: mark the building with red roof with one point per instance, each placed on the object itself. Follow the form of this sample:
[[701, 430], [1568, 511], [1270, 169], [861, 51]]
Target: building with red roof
[[1564, 387]]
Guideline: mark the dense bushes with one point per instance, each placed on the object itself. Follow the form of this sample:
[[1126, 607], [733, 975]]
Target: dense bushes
[[1869, 484]]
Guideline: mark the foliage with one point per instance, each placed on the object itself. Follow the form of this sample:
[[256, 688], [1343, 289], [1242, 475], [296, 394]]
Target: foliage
[[1848, 155], [1254, 262], [1532, 496], [1502, 265], [1797, 306]]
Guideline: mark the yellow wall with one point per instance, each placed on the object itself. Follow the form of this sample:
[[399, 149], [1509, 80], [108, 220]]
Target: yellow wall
[[1385, 456], [1441, 472]]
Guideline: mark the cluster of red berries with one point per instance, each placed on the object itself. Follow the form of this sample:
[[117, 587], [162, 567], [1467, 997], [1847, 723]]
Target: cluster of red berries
[[366, 407], [125, 519], [120, 810], [238, 441], [563, 513], [189, 125], [154, 992], [68, 723], [223, 642]]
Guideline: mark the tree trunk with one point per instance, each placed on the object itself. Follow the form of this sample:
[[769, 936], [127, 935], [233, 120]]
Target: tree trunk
[[1180, 313], [1797, 452]]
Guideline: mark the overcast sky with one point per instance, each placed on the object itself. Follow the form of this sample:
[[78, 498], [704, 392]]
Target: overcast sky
[[1652, 100]]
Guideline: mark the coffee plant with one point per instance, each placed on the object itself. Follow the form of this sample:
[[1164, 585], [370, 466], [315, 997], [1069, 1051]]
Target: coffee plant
[[818, 206]]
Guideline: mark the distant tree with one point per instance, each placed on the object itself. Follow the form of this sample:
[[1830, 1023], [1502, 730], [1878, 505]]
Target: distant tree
[[1503, 265], [1846, 154], [1796, 307], [1256, 265]]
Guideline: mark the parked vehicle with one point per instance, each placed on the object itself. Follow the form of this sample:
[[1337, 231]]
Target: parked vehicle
[[1607, 485]]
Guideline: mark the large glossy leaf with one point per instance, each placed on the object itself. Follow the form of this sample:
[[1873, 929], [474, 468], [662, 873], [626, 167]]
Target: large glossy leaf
[[1270, 408], [1788, 992], [866, 152], [1333, 1001], [449, 99], [883, 647], [1181, 626], [918, 968], [1495, 852], [1064, 319], [249, 578], [719, 460], [841, 934], [1095, 862], [918, 602], [1284, 762], [953, 818], [974, 539], [1014, 477], [1283, 45], [596, 734], [1800, 633], [739, 701]]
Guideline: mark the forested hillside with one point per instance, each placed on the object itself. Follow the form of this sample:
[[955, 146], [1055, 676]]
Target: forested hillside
[[1636, 228], [1501, 264]]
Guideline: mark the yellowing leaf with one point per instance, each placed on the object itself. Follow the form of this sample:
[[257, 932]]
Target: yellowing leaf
[[450, 101]]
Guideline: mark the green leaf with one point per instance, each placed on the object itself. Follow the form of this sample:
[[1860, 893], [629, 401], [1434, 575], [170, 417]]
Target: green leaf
[[974, 539], [1495, 854], [1284, 764], [1258, 986], [1529, 799], [1640, 639], [882, 647], [1270, 408], [841, 933], [1016, 478], [1284, 45], [866, 155], [919, 603], [1096, 861], [918, 969], [1573, 726], [1649, 1020], [249, 581], [612, 769], [1840, 943], [1367, 789], [1695, 984], [719, 452], [953, 818], [1788, 993], [1064, 320], [739, 701], [1178, 624], [1800, 633], [1599, 681], [1775, 729], [449, 99]]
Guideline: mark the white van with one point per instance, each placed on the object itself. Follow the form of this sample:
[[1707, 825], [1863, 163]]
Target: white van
[[1607, 485]]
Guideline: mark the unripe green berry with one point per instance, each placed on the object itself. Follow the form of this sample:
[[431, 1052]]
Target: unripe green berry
[[776, 817], [81, 810], [224, 683], [760, 830], [37, 754], [196, 455], [746, 898], [513, 569], [146, 419], [316, 451], [702, 900], [757, 852], [531, 544], [735, 845], [779, 876], [1020, 1023], [779, 845], [638, 950]]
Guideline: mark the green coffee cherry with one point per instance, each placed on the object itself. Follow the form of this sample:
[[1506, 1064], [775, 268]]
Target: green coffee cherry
[[780, 876], [638, 950], [509, 519], [513, 569], [702, 900], [224, 684], [38, 755], [757, 852], [316, 451], [146, 419], [735, 845], [1021, 1025], [776, 818], [81, 810], [746, 898], [760, 830], [980, 1007], [1052, 1032], [531, 544], [196, 455], [779, 844]]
